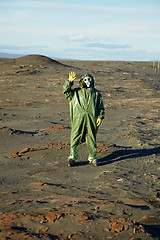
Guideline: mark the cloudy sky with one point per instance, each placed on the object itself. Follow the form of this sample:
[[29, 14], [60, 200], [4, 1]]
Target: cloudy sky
[[82, 29]]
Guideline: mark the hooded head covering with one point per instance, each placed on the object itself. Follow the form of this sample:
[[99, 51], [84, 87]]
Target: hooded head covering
[[83, 84]]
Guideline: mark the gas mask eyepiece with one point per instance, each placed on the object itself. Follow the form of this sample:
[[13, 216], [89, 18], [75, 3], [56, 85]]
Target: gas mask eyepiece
[[87, 81]]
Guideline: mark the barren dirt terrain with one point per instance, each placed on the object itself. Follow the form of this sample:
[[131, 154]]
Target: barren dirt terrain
[[41, 197]]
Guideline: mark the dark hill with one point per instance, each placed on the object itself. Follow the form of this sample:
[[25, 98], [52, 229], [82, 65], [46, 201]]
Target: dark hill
[[35, 60]]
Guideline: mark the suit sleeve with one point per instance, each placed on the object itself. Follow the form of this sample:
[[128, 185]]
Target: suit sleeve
[[100, 107], [67, 90]]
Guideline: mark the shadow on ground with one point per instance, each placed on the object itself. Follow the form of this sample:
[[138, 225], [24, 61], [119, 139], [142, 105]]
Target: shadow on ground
[[127, 154], [153, 230], [122, 154]]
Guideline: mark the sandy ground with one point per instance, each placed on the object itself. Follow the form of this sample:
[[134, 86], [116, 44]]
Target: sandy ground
[[41, 197]]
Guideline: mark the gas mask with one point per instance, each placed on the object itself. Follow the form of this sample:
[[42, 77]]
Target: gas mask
[[87, 81]]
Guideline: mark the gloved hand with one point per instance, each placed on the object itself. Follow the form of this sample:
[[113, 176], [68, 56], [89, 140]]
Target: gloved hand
[[72, 76], [98, 121]]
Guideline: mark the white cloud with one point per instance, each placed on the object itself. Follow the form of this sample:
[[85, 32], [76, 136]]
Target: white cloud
[[20, 15], [74, 38], [77, 38]]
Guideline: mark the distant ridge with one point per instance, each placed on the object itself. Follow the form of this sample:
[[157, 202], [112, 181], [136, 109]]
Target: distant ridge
[[9, 55], [35, 59]]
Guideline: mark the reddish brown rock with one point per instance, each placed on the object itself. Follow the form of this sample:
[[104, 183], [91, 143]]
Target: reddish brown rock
[[38, 184], [36, 87], [53, 216], [33, 149], [1, 128], [117, 227], [24, 150], [5, 227], [122, 220], [112, 145], [94, 65], [15, 154], [59, 127]]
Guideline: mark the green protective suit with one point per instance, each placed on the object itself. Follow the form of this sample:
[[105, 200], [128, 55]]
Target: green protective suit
[[86, 105]]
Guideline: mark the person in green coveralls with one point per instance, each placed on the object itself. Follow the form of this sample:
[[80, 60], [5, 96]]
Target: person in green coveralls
[[86, 113]]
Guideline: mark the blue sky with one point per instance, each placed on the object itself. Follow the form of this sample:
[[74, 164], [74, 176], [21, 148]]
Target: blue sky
[[84, 30]]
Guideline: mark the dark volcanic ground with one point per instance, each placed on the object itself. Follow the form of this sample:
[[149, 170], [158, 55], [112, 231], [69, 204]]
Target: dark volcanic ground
[[41, 197]]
